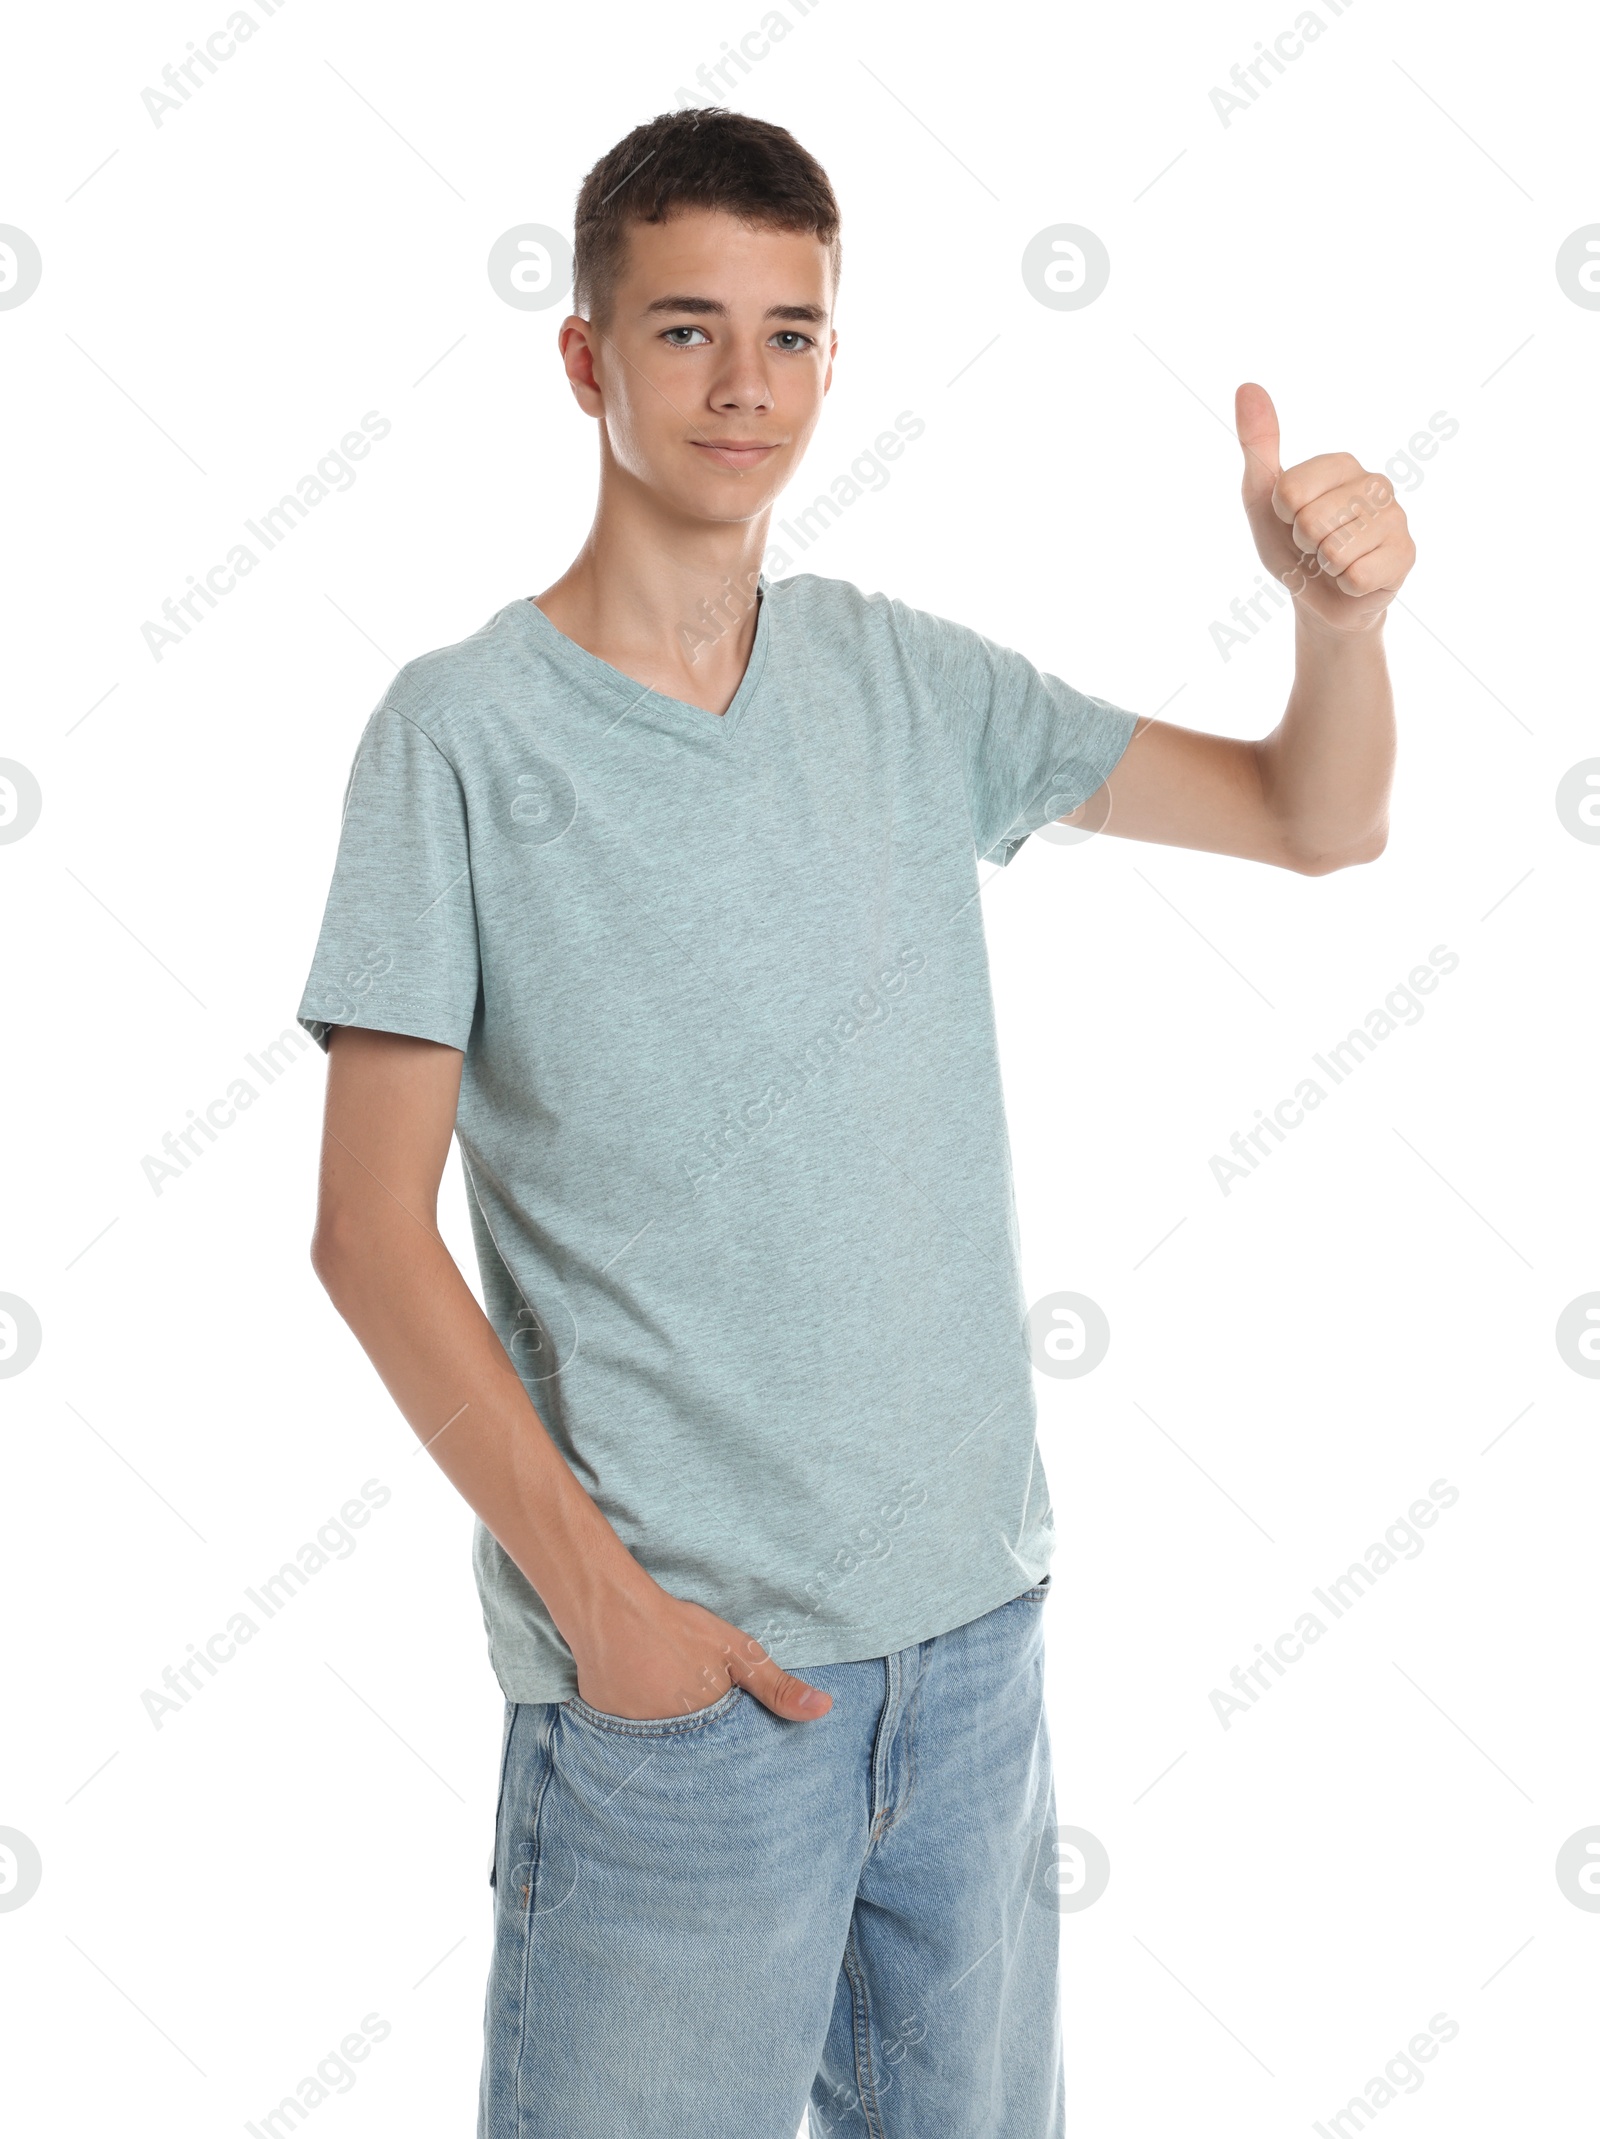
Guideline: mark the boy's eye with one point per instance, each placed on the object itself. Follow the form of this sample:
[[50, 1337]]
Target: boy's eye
[[792, 340], [672, 333]]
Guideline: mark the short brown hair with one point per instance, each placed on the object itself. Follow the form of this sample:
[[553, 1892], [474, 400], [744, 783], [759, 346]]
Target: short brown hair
[[695, 158]]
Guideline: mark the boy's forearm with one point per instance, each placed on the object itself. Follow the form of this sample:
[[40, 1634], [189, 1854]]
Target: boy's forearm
[[1326, 768], [402, 1294]]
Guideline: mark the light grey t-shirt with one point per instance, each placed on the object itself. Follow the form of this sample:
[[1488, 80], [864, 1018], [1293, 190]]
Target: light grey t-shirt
[[731, 1115]]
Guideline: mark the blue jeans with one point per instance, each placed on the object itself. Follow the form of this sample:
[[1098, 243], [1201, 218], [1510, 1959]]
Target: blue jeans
[[709, 1926]]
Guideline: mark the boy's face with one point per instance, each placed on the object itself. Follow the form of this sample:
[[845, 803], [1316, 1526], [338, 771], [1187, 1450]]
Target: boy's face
[[710, 372]]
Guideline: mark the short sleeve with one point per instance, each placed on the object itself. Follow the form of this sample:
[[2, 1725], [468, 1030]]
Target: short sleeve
[[1033, 748], [398, 951]]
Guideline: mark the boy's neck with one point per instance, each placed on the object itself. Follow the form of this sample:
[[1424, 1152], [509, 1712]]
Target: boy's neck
[[668, 601]]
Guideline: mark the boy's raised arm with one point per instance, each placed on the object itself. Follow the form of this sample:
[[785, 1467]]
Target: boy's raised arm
[[1313, 795]]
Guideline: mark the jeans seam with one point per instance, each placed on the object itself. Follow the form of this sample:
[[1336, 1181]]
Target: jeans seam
[[861, 2016], [535, 1859], [881, 1742], [908, 1732]]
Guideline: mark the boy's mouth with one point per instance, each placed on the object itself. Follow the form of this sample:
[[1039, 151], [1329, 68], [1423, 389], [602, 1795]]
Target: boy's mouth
[[736, 452]]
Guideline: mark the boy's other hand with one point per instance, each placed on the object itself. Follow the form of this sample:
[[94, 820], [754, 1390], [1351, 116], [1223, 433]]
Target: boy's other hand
[[653, 1655], [1330, 530]]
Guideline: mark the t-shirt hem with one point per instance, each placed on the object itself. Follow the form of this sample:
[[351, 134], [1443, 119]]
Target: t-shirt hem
[[1102, 764], [837, 1645], [410, 1021]]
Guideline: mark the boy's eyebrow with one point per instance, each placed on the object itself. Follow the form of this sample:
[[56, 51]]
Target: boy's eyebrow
[[813, 315]]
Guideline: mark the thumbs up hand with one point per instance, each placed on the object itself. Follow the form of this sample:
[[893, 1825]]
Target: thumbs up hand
[[1330, 530]]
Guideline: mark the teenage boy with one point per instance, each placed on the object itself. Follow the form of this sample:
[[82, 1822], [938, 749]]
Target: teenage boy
[[659, 891]]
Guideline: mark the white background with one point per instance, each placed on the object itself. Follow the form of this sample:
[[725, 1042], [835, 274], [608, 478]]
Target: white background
[[1374, 240]]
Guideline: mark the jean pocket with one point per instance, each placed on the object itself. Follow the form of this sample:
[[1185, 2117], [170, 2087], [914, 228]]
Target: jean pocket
[[654, 1726]]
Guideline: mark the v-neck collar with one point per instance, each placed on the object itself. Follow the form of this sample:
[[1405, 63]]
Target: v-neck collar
[[578, 660]]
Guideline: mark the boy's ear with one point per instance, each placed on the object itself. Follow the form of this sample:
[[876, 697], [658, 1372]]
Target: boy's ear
[[578, 341]]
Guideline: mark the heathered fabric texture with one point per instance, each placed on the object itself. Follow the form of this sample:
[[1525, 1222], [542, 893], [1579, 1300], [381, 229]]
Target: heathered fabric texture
[[731, 1115]]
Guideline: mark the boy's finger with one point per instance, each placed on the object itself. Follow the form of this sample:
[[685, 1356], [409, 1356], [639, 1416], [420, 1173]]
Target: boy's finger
[[784, 1694], [1256, 422]]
